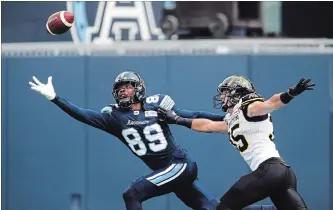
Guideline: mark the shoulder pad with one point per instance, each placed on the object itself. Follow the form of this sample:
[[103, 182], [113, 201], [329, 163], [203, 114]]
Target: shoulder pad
[[108, 109], [160, 100], [250, 98], [166, 103]]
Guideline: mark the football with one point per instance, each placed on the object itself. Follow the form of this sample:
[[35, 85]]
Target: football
[[59, 22]]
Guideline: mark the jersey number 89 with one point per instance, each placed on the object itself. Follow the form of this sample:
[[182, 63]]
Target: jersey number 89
[[134, 140]]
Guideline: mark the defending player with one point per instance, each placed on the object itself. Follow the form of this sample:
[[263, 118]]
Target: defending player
[[135, 122], [248, 123]]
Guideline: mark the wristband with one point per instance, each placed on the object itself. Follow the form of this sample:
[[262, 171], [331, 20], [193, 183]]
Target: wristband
[[184, 121], [285, 97]]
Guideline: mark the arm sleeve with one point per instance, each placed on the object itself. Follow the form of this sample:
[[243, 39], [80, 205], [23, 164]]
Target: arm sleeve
[[198, 114], [90, 117]]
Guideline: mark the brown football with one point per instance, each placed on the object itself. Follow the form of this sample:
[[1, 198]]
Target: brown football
[[59, 22]]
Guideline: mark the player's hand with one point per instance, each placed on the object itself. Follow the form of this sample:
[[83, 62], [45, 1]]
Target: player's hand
[[168, 115], [46, 90], [302, 85]]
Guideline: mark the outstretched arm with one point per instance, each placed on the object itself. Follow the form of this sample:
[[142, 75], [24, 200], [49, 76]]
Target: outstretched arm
[[201, 125], [277, 101], [198, 114], [208, 126], [93, 118], [90, 117], [167, 103]]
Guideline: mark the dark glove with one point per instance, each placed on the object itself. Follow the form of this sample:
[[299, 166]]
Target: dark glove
[[172, 118], [169, 116], [301, 86]]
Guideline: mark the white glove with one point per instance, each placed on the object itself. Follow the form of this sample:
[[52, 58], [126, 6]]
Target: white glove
[[46, 90]]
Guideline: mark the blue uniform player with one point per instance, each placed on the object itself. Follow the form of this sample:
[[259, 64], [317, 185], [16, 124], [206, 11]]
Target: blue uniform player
[[135, 122]]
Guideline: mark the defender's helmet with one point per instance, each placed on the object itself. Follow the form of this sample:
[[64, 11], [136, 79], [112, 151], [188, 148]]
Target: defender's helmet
[[129, 77], [235, 87]]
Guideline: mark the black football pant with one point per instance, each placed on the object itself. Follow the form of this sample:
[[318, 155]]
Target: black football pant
[[273, 178]]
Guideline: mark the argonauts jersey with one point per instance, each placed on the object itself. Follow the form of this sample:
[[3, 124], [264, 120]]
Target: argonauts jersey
[[144, 133]]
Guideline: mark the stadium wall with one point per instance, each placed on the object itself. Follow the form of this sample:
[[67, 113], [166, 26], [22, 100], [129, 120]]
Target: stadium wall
[[47, 157]]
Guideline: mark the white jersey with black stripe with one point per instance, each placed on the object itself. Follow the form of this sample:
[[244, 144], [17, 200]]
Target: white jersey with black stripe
[[252, 136]]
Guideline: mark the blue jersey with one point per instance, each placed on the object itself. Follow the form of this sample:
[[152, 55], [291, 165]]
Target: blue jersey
[[142, 131]]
